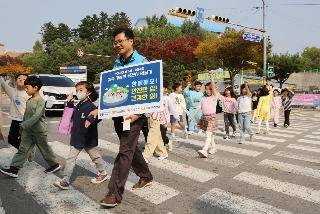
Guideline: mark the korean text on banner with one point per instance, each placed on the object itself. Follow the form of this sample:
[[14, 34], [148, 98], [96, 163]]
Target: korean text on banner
[[131, 90]]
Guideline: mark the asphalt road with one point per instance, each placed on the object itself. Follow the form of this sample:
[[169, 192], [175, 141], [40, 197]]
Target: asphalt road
[[278, 173]]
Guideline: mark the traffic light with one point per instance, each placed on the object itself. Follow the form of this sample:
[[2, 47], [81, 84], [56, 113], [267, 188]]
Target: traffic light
[[218, 19], [271, 71], [181, 12]]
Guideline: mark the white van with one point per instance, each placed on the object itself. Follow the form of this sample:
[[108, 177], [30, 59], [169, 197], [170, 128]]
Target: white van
[[54, 90]]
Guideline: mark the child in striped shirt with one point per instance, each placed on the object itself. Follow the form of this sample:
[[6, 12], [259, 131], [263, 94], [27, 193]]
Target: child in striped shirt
[[287, 95]]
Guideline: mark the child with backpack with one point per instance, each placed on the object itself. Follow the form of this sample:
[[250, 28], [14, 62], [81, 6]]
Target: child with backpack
[[84, 134]]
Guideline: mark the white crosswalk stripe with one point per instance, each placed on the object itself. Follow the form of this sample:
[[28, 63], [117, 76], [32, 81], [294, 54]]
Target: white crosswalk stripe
[[317, 133], [312, 136], [40, 185], [305, 148], [216, 159], [296, 156], [316, 142], [283, 187], [237, 204], [305, 171], [156, 193]]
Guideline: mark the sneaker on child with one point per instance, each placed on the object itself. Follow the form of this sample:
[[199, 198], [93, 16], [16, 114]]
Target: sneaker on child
[[53, 168], [202, 153], [12, 171], [62, 184], [226, 137], [234, 134], [99, 179], [170, 146], [163, 157], [212, 151]]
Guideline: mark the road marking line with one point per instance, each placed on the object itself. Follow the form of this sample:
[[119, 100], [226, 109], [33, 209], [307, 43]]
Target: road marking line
[[40, 185], [215, 159], [225, 148], [155, 193], [262, 145], [305, 148], [239, 151], [237, 204], [312, 136], [318, 133], [286, 188], [300, 170], [193, 173], [316, 142], [298, 156]]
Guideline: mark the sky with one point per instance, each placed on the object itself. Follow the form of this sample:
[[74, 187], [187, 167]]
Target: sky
[[290, 25]]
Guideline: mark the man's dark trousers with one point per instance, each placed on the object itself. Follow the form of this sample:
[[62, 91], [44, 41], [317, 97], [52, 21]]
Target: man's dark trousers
[[129, 155]]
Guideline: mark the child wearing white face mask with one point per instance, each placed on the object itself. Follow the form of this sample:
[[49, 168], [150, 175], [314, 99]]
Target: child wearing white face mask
[[84, 134]]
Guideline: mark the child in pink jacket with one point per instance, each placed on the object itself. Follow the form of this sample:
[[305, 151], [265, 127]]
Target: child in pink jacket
[[276, 105]]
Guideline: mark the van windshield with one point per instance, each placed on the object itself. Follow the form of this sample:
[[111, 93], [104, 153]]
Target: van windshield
[[56, 81]]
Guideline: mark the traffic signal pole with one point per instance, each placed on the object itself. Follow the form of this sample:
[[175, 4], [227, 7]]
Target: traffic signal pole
[[264, 40]]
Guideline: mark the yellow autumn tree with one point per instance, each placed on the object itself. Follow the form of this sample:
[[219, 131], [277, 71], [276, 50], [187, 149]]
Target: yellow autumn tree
[[235, 52]]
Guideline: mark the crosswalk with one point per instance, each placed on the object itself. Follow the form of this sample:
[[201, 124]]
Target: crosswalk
[[264, 176]]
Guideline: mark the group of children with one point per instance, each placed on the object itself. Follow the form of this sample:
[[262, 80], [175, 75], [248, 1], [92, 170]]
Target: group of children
[[28, 121], [28, 128]]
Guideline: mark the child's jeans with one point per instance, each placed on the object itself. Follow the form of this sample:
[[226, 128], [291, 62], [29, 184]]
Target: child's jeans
[[244, 124]]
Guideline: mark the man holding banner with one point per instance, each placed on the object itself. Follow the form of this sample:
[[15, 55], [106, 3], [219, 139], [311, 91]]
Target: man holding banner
[[129, 154]]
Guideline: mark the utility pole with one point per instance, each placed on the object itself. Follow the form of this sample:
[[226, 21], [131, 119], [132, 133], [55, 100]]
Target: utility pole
[[265, 73]]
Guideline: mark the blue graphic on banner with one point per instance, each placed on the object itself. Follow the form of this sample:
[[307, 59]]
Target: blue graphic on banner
[[131, 90], [199, 15]]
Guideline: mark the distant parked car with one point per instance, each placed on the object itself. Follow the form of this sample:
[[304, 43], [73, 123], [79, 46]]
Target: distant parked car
[[55, 90]]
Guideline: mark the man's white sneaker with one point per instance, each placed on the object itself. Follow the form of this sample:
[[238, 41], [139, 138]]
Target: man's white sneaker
[[202, 153], [212, 151]]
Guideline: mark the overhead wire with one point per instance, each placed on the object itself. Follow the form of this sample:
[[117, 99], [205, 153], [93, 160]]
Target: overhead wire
[[294, 20], [257, 10]]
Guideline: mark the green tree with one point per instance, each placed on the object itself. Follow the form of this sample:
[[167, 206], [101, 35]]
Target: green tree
[[155, 22], [312, 56], [119, 20], [285, 65], [37, 48], [89, 28], [49, 34]]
